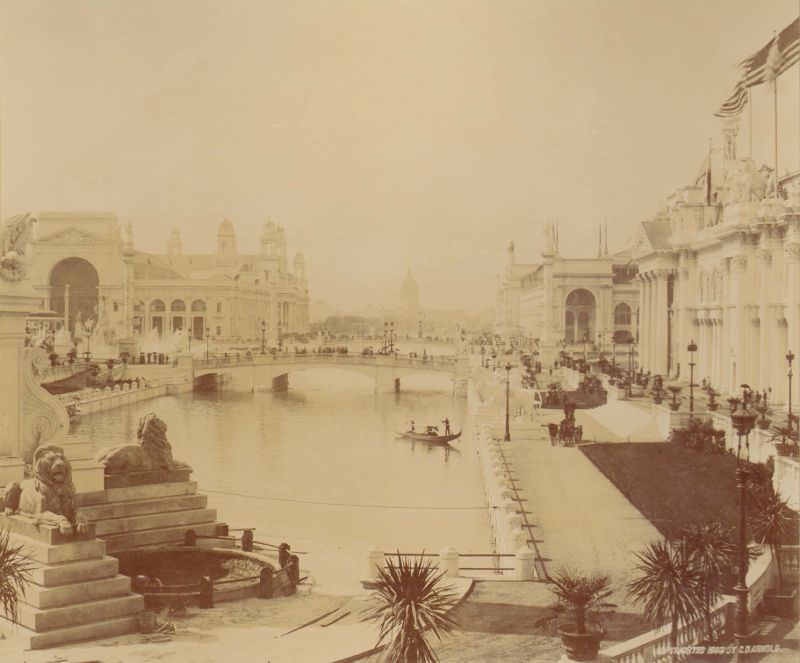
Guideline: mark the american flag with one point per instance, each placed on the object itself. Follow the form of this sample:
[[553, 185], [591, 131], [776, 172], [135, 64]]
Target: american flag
[[766, 64]]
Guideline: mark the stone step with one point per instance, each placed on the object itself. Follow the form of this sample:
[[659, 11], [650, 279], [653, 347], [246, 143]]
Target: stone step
[[106, 628], [144, 492], [42, 552], [139, 507], [40, 620], [80, 592], [147, 538], [71, 572], [150, 521]]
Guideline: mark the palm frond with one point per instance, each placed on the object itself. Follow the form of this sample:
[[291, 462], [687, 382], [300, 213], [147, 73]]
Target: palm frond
[[15, 570], [407, 601]]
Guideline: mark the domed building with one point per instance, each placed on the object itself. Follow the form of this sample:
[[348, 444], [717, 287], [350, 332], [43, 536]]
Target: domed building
[[409, 293], [85, 270]]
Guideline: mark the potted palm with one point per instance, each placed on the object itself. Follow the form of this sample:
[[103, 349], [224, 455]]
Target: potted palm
[[668, 586], [15, 574], [763, 423], [580, 601], [408, 600], [674, 403]]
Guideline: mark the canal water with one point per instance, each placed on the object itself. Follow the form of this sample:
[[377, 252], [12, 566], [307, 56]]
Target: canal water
[[320, 467]]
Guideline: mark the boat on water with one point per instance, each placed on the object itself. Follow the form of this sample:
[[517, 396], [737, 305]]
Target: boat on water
[[428, 437]]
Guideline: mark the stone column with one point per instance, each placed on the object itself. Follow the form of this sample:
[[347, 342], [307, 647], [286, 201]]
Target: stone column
[[741, 322], [645, 324], [765, 318], [660, 359], [792, 257]]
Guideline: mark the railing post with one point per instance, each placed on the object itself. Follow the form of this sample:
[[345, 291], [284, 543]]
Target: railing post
[[190, 538], [247, 540], [206, 593], [375, 561], [266, 583], [523, 564], [449, 562]]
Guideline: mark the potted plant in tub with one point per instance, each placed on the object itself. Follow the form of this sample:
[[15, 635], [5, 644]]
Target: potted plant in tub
[[580, 601], [674, 404], [773, 522]]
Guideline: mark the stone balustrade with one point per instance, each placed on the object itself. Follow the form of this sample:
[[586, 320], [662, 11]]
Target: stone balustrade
[[655, 644], [106, 398]]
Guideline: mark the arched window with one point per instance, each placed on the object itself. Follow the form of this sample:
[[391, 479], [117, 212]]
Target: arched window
[[157, 306], [198, 306], [622, 314], [579, 316], [178, 306]]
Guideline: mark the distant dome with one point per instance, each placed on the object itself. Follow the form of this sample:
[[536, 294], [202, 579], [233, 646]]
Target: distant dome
[[409, 293], [226, 228], [298, 257]]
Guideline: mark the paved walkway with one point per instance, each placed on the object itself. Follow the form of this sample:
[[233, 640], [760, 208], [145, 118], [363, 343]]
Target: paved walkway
[[583, 521]]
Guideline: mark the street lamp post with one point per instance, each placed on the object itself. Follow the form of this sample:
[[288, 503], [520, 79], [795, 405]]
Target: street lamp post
[[391, 337], [789, 360], [692, 348], [483, 355], [494, 360], [263, 337], [280, 335], [613, 353], [420, 329], [630, 370], [743, 421], [88, 327], [507, 437], [385, 335], [208, 331]]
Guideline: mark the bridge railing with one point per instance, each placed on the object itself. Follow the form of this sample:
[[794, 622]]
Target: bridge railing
[[337, 358]]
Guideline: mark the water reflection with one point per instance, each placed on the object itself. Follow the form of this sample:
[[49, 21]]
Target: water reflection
[[320, 466]]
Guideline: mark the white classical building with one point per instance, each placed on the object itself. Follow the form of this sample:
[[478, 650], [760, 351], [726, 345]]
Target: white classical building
[[565, 301], [85, 270], [721, 268]]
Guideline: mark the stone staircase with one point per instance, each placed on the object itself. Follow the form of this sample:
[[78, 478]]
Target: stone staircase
[[626, 421], [128, 515], [75, 593]]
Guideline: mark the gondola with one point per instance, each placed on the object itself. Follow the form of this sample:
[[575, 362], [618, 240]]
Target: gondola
[[423, 437]]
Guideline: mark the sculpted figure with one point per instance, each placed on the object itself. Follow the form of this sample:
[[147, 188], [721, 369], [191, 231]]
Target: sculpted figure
[[152, 453], [48, 497]]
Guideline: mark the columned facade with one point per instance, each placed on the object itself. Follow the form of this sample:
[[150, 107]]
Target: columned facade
[[728, 277]]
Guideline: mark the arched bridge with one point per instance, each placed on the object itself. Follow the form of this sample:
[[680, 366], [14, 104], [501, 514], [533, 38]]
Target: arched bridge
[[270, 371]]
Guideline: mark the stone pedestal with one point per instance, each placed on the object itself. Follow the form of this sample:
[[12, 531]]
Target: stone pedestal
[[76, 592]]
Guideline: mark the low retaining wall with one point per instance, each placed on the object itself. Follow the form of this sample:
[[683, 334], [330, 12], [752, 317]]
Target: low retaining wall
[[655, 645], [98, 400]]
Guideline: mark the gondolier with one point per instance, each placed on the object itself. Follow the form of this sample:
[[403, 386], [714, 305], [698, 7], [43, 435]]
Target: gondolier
[[446, 423]]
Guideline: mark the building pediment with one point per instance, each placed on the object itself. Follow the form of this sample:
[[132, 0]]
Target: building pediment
[[73, 237]]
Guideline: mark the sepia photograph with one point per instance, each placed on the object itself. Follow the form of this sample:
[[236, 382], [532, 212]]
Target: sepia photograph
[[399, 331]]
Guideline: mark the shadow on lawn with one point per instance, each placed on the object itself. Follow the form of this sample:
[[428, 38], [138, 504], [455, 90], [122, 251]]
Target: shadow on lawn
[[505, 618]]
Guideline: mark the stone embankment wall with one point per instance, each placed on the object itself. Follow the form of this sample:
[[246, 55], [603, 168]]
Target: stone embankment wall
[[507, 526], [98, 400]]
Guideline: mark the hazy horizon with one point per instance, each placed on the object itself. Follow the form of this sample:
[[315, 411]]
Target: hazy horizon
[[381, 135]]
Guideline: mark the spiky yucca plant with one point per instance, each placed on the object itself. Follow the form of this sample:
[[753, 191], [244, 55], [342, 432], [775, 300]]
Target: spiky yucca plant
[[15, 572], [409, 600], [669, 585], [713, 553], [771, 522]]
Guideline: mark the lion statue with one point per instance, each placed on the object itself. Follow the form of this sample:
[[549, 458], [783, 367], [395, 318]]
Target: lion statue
[[152, 453], [49, 496]]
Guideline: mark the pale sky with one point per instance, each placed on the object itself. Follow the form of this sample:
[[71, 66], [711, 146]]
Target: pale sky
[[380, 133]]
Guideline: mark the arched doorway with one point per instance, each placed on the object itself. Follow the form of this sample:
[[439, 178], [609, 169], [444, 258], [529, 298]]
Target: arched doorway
[[157, 310], [198, 323], [579, 318], [178, 310], [81, 297]]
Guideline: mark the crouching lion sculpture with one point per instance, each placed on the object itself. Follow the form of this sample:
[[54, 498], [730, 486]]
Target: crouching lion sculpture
[[152, 453], [48, 497]]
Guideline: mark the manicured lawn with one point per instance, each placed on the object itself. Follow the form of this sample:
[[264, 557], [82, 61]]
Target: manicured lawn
[[672, 486]]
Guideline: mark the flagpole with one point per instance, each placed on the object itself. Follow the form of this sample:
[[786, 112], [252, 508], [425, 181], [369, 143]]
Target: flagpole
[[775, 106], [750, 113]]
